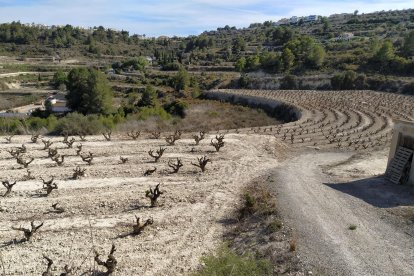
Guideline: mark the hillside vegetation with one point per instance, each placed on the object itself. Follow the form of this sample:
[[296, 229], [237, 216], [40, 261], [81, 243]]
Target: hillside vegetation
[[382, 43]]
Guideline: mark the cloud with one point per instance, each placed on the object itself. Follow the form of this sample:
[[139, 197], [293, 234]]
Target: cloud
[[168, 17]]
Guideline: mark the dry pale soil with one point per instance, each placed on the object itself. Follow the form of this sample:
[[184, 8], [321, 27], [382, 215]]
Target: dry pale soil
[[325, 168], [101, 207]]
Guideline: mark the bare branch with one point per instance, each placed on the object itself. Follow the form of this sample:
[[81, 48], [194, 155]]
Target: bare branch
[[153, 195], [87, 158], [78, 173], [202, 162], [174, 137], [123, 159], [150, 172], [158, 155], [110, 263], [47, 144], [134, 134], [107, 135], [137, 228], [198, 138], [29, 232], [35, 138], [8, 186], [176, 167]]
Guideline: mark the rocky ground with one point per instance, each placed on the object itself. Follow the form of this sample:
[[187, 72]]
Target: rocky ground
[[326, 170], [100, 208]]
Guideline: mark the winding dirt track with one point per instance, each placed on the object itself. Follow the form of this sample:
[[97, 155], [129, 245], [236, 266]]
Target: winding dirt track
[[322, 214], [340, 124]]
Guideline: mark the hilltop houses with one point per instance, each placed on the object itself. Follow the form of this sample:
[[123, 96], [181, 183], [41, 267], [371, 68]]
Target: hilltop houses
[[296, 20]]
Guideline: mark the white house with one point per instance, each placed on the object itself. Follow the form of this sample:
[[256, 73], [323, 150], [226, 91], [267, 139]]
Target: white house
[[58, 104], [345, 36], [149, 59], [311, 18]]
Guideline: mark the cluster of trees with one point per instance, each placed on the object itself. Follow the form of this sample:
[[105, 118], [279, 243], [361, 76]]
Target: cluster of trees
[[199, 42], [90, 96], [89, 92], [299, 53], [388, 60], [65, 36], [139, 63], [279, 36], [349, 80]]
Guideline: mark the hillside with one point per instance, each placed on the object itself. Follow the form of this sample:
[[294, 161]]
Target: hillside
[[377, 49], [253, 151]]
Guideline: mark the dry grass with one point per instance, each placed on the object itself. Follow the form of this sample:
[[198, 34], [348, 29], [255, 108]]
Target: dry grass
[[260, 230], [11, 100], [214, 115], [258, 201], [292, 245]]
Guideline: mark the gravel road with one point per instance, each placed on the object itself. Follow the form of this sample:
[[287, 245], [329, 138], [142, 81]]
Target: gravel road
[[321, 214]]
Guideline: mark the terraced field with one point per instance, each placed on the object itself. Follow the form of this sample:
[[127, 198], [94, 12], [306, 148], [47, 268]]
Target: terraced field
[[100, 207], [347, 120]]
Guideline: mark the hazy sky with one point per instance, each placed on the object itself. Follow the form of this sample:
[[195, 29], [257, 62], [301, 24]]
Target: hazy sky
[[183, 17]]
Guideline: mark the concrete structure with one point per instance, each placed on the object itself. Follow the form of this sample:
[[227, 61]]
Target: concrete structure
[[345, 36], [311, 18], [58, 104], [400, 169], [150, 60]]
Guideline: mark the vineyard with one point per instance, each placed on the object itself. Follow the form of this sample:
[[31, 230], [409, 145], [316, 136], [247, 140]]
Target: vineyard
[[154, 203]]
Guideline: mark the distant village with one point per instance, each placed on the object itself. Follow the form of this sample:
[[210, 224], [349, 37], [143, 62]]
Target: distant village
[[296, 20]]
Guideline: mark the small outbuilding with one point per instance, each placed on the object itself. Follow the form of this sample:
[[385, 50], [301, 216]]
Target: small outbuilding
[[400, 169], [57, 104]]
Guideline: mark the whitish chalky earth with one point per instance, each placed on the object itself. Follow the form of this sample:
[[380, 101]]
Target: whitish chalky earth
[[341, 137]]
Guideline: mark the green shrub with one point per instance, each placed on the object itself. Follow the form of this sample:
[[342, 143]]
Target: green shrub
[[408, 89], [352, 227], [349, 81], [226, 262], [176, 108], [172, 66], [36, 123], [258, 202], [59, 79], [274, 226], [11, 126], [146, 112], [288, 82], [3, 86], [75, 124]]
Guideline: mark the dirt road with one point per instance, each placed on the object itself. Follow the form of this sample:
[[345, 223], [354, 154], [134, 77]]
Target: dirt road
[[321, 212]]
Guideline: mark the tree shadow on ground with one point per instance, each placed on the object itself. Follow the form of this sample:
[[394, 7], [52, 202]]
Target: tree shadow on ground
[[377, 191]]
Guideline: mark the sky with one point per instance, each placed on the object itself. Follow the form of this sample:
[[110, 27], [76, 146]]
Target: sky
[[178, 18]]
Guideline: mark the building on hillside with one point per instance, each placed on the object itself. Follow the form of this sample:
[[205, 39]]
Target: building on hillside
[[345, 36], [110, 71], [150, 60], [57, 104], [400, 169], [311, 18]]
